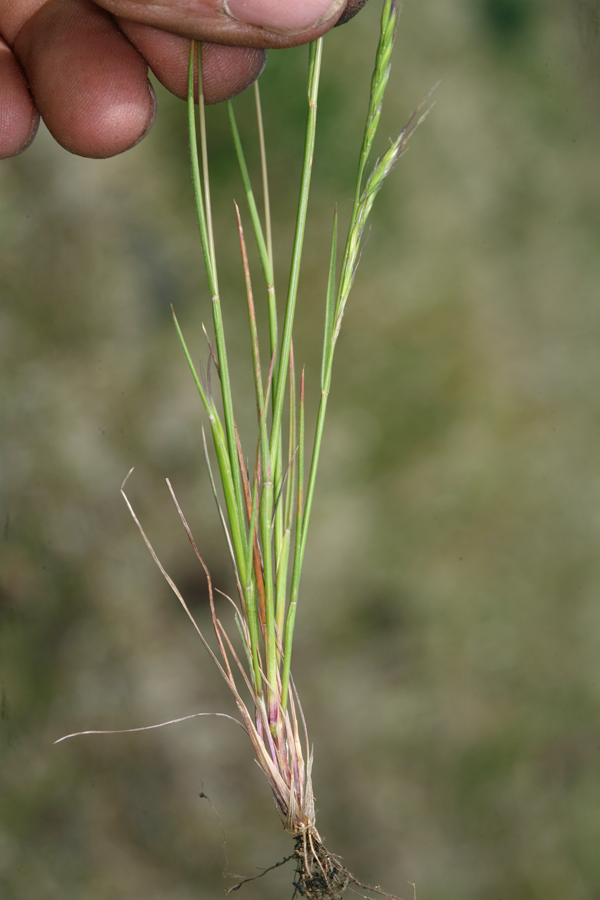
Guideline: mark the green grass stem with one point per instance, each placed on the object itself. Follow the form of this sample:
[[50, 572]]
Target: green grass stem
[[203, 207], [314, 72]]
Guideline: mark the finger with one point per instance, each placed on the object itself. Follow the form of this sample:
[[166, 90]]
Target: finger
[[226, 71], [89, 84], [248, 23], [18, 117]]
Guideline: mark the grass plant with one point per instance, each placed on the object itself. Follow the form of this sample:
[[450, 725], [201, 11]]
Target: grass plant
[[265, 509]]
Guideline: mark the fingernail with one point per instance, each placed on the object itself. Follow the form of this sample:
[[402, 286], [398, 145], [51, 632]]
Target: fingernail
[[152, 93], [283, 18], [353, 7], [30, 139]]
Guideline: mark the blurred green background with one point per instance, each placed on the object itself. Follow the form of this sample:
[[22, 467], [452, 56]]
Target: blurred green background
[[448, 639]]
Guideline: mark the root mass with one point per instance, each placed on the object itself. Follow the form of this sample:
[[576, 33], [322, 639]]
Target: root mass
[[319, 873]]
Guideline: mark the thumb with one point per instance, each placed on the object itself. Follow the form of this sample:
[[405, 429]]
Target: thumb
[[250, 23]]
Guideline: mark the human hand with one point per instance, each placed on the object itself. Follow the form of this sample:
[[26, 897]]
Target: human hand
[[82, 66]]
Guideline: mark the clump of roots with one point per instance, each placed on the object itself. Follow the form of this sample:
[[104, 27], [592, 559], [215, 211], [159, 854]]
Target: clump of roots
[[319, 874]]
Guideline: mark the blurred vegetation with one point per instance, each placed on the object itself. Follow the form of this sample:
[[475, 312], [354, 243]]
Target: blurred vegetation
[[448, 650]]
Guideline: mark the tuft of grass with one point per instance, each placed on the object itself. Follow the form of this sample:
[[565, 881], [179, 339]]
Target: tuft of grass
[[266, 510]]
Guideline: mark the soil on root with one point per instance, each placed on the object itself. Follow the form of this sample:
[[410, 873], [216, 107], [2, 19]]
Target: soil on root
[[319, 873]]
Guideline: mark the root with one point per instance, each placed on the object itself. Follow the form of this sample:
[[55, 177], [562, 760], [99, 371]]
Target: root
[[276, 865], [319, 874]]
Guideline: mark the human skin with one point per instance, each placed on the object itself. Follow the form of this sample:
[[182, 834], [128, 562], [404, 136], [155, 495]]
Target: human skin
[[83, 66]]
